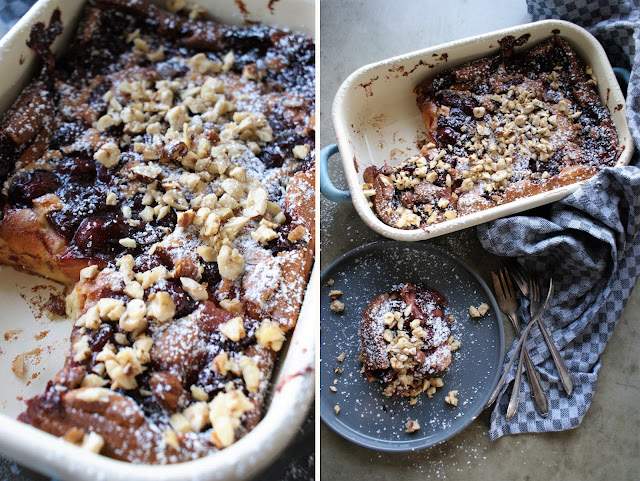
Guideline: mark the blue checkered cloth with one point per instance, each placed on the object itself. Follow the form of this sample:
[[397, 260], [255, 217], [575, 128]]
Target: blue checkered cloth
[[11, 11], [589, 242]]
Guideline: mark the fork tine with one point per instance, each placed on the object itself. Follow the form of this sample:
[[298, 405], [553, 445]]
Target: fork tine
[[503, 283], [535, 287], [497, 286], [516, 272], [512, 291]]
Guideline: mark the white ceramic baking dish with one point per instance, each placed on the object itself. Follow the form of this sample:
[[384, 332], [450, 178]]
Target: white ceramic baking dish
[[24, 328], [376, 119]]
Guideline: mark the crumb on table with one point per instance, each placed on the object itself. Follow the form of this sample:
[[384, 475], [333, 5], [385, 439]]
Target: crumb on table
[[18, 366], [341, 357], [336, 409]]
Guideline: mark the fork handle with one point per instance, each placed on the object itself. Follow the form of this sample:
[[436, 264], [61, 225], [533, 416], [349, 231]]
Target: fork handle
[[539, 396], [514, 400], [563, 372]]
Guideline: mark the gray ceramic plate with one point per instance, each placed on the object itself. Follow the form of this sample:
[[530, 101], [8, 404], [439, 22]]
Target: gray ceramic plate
[[366, 416]]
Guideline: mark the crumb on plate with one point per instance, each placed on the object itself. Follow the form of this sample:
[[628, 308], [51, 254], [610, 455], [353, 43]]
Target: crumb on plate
[[479, 311]]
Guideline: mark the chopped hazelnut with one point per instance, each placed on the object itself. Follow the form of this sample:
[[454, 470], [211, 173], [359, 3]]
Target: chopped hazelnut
[[230, 262], [198, 415], [233, 329], [180, 423], [197, 291], [411, 426], [108, 155], [250, 373], [232, 305], [301, 151], [92, 442], [336, 306], [161, 306], [452, 398], [199, 394], [89, 272], [297, 234], [269, 334], [133, 319], [479, 311]]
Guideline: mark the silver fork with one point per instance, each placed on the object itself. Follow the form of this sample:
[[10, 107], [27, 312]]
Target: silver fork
[[509, 305], [518, 348], [535, 304]]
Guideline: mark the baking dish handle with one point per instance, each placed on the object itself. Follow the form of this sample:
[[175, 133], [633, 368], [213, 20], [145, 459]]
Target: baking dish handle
[[623, 75], [327, 188]]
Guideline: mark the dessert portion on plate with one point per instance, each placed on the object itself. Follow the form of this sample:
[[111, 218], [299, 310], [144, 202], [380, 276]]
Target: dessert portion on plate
[[499, 129], [406, 340], [163, 168]]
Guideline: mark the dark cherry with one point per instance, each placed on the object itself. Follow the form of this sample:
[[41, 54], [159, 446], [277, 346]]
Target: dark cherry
[[100, 338], [481, 89], [100, 235], [455, 120], [513, 81], [66, 134], [65, 222], [171, 68], [211, 274], [271, 156], [445, 136], [286, 138], [468, 104], [444, 80], [31, 185], [104, 174], [146, 262], [81, 170], [170, 220], [212, 381], [450, 99], [282, 243]]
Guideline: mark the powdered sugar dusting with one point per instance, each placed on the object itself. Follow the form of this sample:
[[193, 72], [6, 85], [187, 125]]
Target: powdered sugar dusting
[[364, 411]]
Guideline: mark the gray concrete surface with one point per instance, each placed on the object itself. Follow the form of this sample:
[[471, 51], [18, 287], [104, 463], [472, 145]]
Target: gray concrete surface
[[606, 445]]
